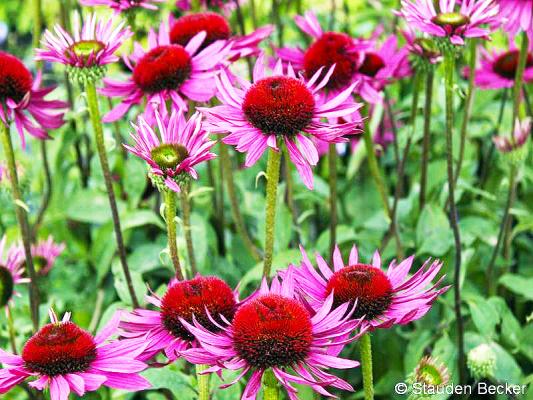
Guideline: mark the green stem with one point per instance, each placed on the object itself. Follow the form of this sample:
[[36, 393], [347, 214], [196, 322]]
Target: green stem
[[365, 347], [203, 382], [469, 101], [47, 190], [426, 138], [22, 219], [96, 121], [273, 166], [186, 209], [11, 330], [277, 20], [332, 160], [449, 70], [522, 60], [270, 386], [170, 219], [290, 193], [37, 27], [227, 170]]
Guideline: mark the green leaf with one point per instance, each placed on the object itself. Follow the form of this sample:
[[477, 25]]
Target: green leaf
[[280, 261], [433, 233], [170, 378], [90, 206], [518, 284], [484, 315]]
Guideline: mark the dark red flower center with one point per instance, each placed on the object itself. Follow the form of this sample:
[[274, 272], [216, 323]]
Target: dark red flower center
[[332, 48], [187, 298], [279, 105], [451, 19], [507, 64], [169, 155], [58, 349], [366, 284], [272, 331], [185, 28], [164, 67], [371, 64], [6, 285], [15, 79]]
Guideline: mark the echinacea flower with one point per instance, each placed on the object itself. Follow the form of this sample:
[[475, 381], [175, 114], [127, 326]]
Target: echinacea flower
[[423, 51], [45, 253], [11, 271], [429, 372], [65, 358], [355, 60], [123, 5], [88, 50], [279, 109], [384, 298], [216, 28], [452, 19], [173, 153], [167, 71], [23, 102], [161, 329], [497, 69], [273, 331], [522, 131], [517, 15]]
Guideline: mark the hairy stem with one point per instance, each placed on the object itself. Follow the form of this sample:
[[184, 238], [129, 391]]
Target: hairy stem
[[11, 330], [186, 209], [47, 190], [203, 382], [270, 386], [170, 219], [449, 66], [332, 160], [22, 219], [274, 161], [365, 347], [96, 121], [290, 192], [426, 138]]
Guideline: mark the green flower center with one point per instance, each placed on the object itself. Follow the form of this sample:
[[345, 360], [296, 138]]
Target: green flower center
[[84, 48], [169, 155], [453, 19], [40, 263], [6, 285], [429, 48]]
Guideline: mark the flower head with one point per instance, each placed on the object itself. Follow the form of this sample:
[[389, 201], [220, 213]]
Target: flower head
[[208, 299], [44, 254], [217, 28], [517, 15], [274, 331], [167, 71], [423, 51], [355, 60], [88, 50], [65, 358], [123, 5], [452, 19], [11, 270], [173, 153], [384, 298], [279, 109], [23, 102], [428, 372], [497, 69], [481, 361], [522, 131]]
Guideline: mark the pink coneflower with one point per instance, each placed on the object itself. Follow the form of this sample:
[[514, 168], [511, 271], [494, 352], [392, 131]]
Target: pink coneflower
[[123, 5], [453, 19], [162, 329], [274, 331], [517, 16], [498, 69], [167, 71], [522, 131], [44, 254], [383, 298], [421, 49], [282, 107], [22, 101], [355, 60], [89, 49], [175, 151], [216, 28], [66, 358], [11, 271]]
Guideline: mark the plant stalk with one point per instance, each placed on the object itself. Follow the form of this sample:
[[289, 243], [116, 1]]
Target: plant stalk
[[273, 167], [22, 219], [96, 121], [170, 219], [449, 70], [365, 346], [332, 160], [186, 209], [426, 138], [203, 382], [270, 386]]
